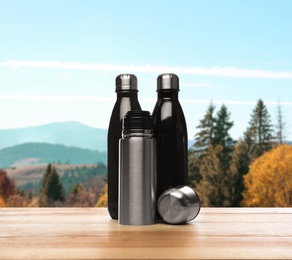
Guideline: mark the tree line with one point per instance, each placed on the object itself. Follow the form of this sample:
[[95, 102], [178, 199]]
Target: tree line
[[218, 164], [77, 187], [255, 170]]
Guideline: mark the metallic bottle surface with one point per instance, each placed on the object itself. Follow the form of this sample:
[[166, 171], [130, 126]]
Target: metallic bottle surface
[[179, 205], [127, 99], [137, 172]]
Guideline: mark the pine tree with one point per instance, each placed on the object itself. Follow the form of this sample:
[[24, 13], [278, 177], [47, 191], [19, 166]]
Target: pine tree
[[203, 140], [209, 167], [52, 190], [205, 137], [280, 125], [222, 127], [260, 132], [256, 140], [239, 167], [222, 136]]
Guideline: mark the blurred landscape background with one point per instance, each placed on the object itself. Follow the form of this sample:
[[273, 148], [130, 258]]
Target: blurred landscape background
[[55, 165], [58, 64]]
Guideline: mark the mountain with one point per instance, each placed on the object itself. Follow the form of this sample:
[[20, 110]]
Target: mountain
[[67, 133], [43, 153]]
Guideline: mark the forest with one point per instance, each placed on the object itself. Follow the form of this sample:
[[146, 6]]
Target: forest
[[253, 171], [76, 187]]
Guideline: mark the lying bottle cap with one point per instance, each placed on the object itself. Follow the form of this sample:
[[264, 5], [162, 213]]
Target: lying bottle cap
[[179, 205], [126, 82], [167, 81]]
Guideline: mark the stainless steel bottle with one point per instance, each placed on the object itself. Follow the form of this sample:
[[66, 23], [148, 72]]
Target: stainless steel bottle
[[127, 99], [170, 132], [137, 170]]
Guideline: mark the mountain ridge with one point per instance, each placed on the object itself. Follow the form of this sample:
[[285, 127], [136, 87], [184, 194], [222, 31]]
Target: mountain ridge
[[44, 153], [69, 133]]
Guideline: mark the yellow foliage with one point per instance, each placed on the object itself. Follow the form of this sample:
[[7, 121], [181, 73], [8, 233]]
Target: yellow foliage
[[102, 201], [16, 201], [269, 181], [2, 202]]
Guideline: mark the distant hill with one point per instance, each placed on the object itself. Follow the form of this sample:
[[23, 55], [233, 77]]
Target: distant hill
[[89, 175], [67, 133], [43, 153]]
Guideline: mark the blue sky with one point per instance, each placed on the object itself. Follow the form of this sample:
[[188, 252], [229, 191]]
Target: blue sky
[[59, 59]]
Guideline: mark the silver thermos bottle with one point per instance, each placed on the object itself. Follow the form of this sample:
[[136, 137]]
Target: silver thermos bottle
[[137, 170]]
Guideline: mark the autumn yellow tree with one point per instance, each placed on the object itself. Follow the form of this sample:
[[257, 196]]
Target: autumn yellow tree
[[7, 188], [269, 180], [102, 201]]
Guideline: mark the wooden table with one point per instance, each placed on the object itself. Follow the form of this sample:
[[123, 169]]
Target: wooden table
[[89, 233]]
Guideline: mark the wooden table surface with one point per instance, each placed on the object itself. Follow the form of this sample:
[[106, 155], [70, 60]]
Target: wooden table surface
[[89, 233]]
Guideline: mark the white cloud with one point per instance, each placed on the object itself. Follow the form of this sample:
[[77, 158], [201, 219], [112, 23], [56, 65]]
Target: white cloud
[[206, 84], [232, 102], [143, 100], [205, 71]]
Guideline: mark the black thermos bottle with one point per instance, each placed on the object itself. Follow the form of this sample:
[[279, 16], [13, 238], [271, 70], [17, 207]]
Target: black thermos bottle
[[170, 132], [127, 99]]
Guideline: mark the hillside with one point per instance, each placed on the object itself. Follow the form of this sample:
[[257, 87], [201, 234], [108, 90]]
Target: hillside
[[89, 175], [43, 153], [67, 133]]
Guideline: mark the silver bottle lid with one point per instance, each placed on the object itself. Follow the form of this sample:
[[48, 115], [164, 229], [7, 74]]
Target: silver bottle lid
[[126, 82], [179, 205], [167, 81]]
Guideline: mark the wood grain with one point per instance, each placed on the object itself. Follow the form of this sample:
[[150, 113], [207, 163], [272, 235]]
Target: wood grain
[[89, 233]]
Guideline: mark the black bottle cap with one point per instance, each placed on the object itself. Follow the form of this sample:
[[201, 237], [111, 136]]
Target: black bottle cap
[[126, 82], [136, 119], [167, 81]]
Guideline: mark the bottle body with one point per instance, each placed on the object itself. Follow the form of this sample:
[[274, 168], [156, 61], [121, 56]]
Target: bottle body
[[126, 100], [137, 171], [170, 132], [137, 203]]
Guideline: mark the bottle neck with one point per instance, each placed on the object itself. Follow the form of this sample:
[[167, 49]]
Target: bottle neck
[[146, 133], [168, 93], [129, 94], [137, 123]]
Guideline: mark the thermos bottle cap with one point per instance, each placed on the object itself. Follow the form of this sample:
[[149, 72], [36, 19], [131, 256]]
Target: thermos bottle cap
[[135, 119], [167, 81], [126, 82], [179, 205]]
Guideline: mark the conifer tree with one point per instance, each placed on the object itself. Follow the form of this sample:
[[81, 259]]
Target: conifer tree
[[239, 167], [205, 137], [280, 125], [203, 140], [222, 136], [256, 140], [221, 131], [260, 131], [209, 166], [52, 190]]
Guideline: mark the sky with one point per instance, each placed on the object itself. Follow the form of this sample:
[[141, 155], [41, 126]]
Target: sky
[[59, 59]]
